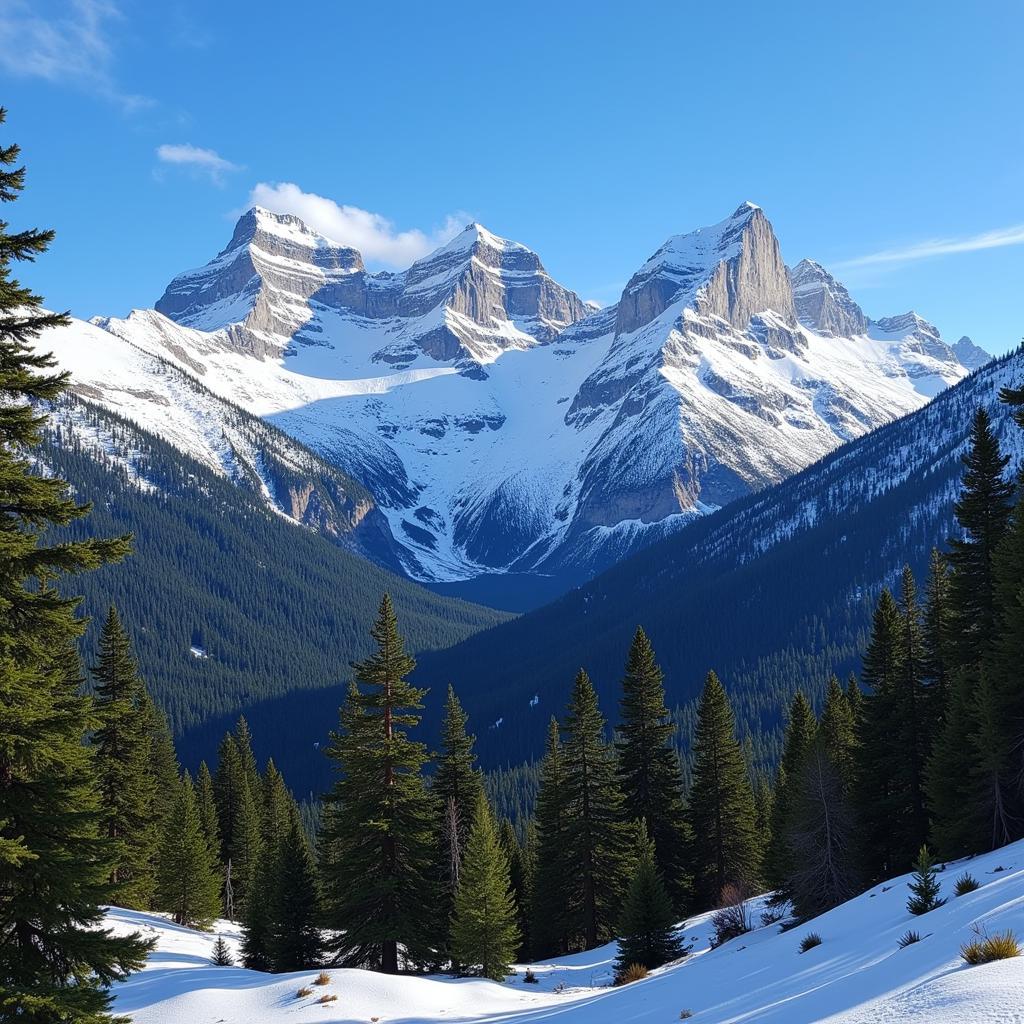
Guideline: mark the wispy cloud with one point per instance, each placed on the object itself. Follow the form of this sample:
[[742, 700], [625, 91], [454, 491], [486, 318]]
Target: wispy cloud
[[75, 48], [207, 162], [995, 239], [372, 234]]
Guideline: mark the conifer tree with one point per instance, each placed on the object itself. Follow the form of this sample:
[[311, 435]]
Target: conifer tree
[[649, 773], [485, 936], [188, 887], [925, 888], [227, 788], [246, 843], [646, 927], [855, 698], [800, 731], [878, 796], [295, 941], [519, 876], [127, 787], [726, 848], [246, 757], [935, 640], [549, 925], [222, 954], [164, 765], [378, 836], [821, 871], [55, 865], [457, 787], [208, 808], [597, 840], [837, 731]]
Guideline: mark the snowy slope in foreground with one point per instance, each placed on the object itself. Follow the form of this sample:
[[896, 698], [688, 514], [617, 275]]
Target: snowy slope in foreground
[[856, 976]]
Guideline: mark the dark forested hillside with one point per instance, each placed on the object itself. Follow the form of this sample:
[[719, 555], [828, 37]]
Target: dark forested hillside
[[775, 592], [229, 604]]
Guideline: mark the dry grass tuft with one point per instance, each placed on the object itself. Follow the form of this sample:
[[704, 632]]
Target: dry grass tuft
[[986, 948], [323, 978], [634, 972]]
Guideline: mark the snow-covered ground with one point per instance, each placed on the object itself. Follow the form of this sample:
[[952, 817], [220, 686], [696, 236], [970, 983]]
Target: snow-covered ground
[[858, 975]]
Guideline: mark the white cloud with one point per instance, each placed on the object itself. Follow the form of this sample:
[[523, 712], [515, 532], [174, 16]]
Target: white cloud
[[995, 239], [371, 233], [206, 161], [75, 48]]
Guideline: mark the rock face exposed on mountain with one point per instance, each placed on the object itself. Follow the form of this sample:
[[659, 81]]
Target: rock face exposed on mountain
[[970, 355], [501, 424], [823, 304]]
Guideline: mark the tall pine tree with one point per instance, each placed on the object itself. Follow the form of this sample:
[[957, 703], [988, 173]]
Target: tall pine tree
[[597, 840], [649, 773], [725, 844], [123, 755], [55, 865], [295, 941], [378, 836]]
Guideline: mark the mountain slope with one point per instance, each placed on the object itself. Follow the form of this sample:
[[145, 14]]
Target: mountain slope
[[499, 424], [228, 602], [858, 975]]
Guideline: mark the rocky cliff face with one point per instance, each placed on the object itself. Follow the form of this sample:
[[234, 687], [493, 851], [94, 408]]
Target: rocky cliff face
[[970, 355], [823, 304]]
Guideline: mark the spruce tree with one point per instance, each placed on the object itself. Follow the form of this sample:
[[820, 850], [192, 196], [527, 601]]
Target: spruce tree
[[127, 787], [246, 757], [836, 729], [227, 788], [647, 933], [935, 640], [549, 913], [56, 963], [485, 936], [520, 878], [188, 886], [800, 731], [925, 888], [878, 788], [725, 845], [457, 787], [208, 808], [295, 941], [222, 954], [163, 760], [378, 836], [649, 772], [597, 840]]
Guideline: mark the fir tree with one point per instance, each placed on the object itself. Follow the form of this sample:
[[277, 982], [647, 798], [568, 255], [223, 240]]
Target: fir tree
[[55, 865], [837, 732], [596, 836], [726, 850], [877, 791], [222, 954], [822, 871], [649, 773], [163, 760], [379, 833], [246, 757], [127, 787], [295, 940], [520, 876], [188, 887], [800, 731], [549, 927], [935, 640], [484, 933], [925, 887], [457, 787], [227, 788], [246, 843], [208, 808], [646, 927]]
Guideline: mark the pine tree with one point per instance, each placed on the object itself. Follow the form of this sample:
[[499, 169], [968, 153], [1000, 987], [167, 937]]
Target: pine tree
[[127, 787], [239, 813], [726, 849], [649, 773], [163, 761], [55, 865], [243, 743], [227, 788], [646, 927], [208, 808], [935, 640], [800, 731], [520, 879], [549, 913], [877, 792], [596, 836], [222, 954], [457, 787], [295, 940], [379, 833], [484, 932], [925, 887], [837, 732], [188, 887], [822, 870]]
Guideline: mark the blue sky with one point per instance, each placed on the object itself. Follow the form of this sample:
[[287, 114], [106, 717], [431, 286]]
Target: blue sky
[[882, 139]]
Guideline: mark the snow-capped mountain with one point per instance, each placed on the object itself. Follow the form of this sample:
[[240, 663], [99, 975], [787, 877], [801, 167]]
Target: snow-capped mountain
[[499, 422]]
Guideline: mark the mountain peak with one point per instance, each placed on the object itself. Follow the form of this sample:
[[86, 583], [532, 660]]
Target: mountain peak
[[823, 304], [971, 355]]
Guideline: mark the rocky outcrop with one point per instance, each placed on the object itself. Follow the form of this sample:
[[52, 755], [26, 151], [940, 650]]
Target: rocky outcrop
[[970, 355], [823, 304]]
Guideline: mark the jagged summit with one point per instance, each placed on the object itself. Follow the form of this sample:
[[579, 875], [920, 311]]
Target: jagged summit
[[823, 304], [971, 355]]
